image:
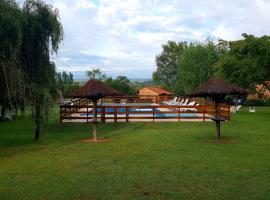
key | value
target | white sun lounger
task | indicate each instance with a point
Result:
(252, 110)
(171, 102)
(238, 108)
(185, 103)
(190, 104)
(182, 101)
(235, 109)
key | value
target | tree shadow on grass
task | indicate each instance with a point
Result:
(120, 128)
(13, 142)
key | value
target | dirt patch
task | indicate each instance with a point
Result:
(90, 140)
(221, 141)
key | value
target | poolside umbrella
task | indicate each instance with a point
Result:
(217, 89)
(95, 90)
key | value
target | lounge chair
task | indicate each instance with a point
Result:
(252, 110)
(175, 99)
(182, 101)
(190, 104)
(6, 118)
(185, 103)
(238, 108)
(171, 101)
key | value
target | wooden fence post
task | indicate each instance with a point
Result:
(103, 117)
(229, 113)
(204, 113)
(153, 109)
(115, 114)
(87, 115)
(61, 118)
(127, 114)
(179, 114)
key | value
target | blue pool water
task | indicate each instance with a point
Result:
(123, 110)
(176, 115)
(148, 111)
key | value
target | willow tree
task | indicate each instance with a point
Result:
(11, 75)
(42, 33)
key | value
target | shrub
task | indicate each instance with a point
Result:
(267, 103)
(255, 102)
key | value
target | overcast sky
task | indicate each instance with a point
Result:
(122, 37)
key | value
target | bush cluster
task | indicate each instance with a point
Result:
(257, 102)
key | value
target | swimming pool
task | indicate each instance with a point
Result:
(159, 115)
(141, 110)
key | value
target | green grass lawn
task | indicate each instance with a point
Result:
(142, 161)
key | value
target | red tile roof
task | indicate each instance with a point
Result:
(158, 90)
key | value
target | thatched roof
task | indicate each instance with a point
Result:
(216, 88)
(95, 89)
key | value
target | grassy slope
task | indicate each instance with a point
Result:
(143, 160)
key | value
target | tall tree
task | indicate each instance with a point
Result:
(11, 75)
(42, 33)
(182, 67)
(97, 74)
(167, 64)
(247, 62)
(195, 65)
(122, 84)
(65, 84)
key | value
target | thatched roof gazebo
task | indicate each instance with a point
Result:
(95, 90)
(217, 89)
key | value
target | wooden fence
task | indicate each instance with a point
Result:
(148, 99)
(127, 113)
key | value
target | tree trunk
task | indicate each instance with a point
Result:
(37, 133)
(3, 110)
(37, 121)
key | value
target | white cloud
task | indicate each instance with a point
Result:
(64, 59)
(124, 36)
(84, 4)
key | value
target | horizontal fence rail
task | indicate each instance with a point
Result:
(127, 113)
(148, 99)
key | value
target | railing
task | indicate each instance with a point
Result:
(136, 99)
(148, 99)
(127, 113)
(76, 103)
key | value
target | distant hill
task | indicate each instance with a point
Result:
(80, 76)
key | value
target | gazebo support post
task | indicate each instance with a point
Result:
(218, 130)
(95, 132)
(95, 121)
(217, 121)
